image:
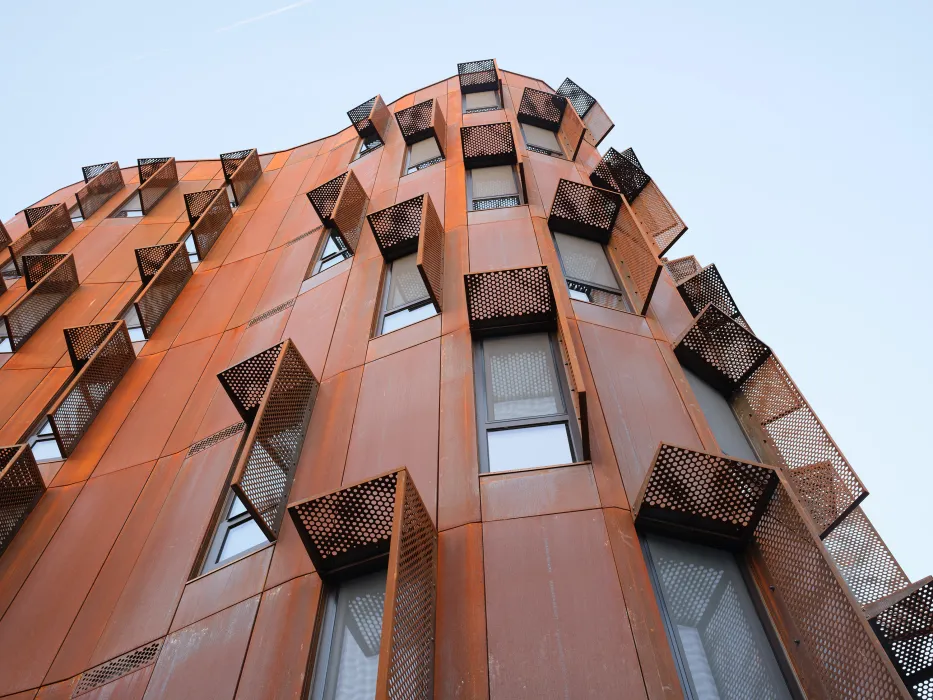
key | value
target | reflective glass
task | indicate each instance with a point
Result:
(131, 208)
(521, 380)
(75, 214)
(240, 538)
(585, 260)
(407, 317)
(236, 507)
(717, 628)
(542, 138)
(406, 285)
(230, 195)
(523, 448)
(578, 295)
(45, 450)
(722, 420)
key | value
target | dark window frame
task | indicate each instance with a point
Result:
(374, 144)
(192, 251)
(479, 110)
(484, 425)
(9, 271)
(332, 259)
(40, 435)
(410, 169)
(518, 197)
(223, 524)
(384, 301)
(754, 593)
(122, 213)
(76, 215)
(586, 287)
(539, 149)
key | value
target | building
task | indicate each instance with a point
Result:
(417, 409)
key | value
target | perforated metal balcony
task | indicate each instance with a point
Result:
(681, 268)
(705, 286)
(413, 226)
(242, 170)
(598, 123)
(156, 176)
(50, 280)
(549, 111)
(21, 487)
(488, 144)
(100, 354)
(274, 392)
(422, 121)
(382, 519)
(479, 76)
(904, 625)
(623, 173)
(752, 508)
(102, 181)
(164, 271)
(505, 299)
(209, 212)
(48, 226)
(341, 204)
(370, 118)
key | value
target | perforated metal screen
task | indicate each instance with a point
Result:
(209, 211)
(519, 297)
(370, 118)
(488, 144)
(21, 486)
(157, 176)
(905, 629)
(621, 172)
(542, 109)
(705, 287)
(629, 244)
(164, 269)
(478, 76)
(422, 121)
(242, 170)
(50, 225)
(50, 280)
(580, 210)
(577, 96)
(681, 268)
(103, 181)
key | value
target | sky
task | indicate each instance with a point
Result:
(794, 139)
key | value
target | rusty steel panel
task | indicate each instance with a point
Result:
(101, 354)
(241, 171)
(543, 109)
(164, 270)
(905, 629)
(102, 182)
(50, 280)
(422, 121)
(378, 517)
(21, 487)
(156, 177)
(341, 203)
(370, 118)
(209, 212)
(479, 76)
(507, 299)
(633, 249)
(274, 392)
(581, 210)
(430, 258)
(706, 286)
(488, 144)
(48, 226)
(709, 498)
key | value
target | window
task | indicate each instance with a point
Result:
(405, 299)
(237, 534)
(9, 271)
(722, 420)
(721, 648)
(541, 140)
(588, 272)
(131, 208)
(192, 251)
(333, 251)
(493, 187)
(5, 345)
(43, 444)
(481, 101)
(75, 213)
(522, 402)
(367, 144)
(347, 660)
(423, 154)
(231, 196)
(134, 325)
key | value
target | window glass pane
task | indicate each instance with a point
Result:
(354, 648)
(405, 283)
(578, 295)
(132, 208)
(481, 100)
(424, 151)
(236, 507)
(5, 345)
(44, 450)
(9, 271)
(407, 317)
(189, 246)
(230, 195)
(521, 381)
(325, 264)
(330, 247)
(722, 420)
(45, 428)
(725, 649)
(75, 214)
(522, 448)
(240, 538)
(542, 138)
(496, 181)
(585, 260)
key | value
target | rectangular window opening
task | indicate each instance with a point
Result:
(131, 208)
(134, 325)
(231, 196)
(493, 187)
(422, 154)
(722, 420)
(236, 534)
(75, 213)
(405, 298)
(5, 344)
(347, 660)
(10, 272)
(524, 407)
(589, 273)
(541, 140)
(333, 251)
(43, 443)
(192, 250)
(367, 144)
(486, 101)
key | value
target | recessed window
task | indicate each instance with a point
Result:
(9, 271)
(494, 187)
(75, 213)
(541, 140)
(422, 154)
(367, 144)
(192, 250)
(131, 208)
(347, 661)
(231, 196)
(134, 325)
(333, 251)
(5, 345)
(485, 101)
(719, 642)
(722, 420)
(588, 272)
(43, 444)
(237, 534)
(405, 298)
(523, 403)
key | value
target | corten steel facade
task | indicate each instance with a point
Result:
(227, 334)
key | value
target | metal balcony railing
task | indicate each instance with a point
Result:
(156, 177)
(422, 121)
(598, 123)
(478, 76)
(164, 271)
(242, 170)
(700, 286)
(341, 204)
(50, 280)
(370, 118)
(904, 625)
(101, 183)
(208, 212)
(488, 144)
(549, 111)
(48, 226)
(21, 487)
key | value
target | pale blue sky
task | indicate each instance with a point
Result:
(794, 138)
